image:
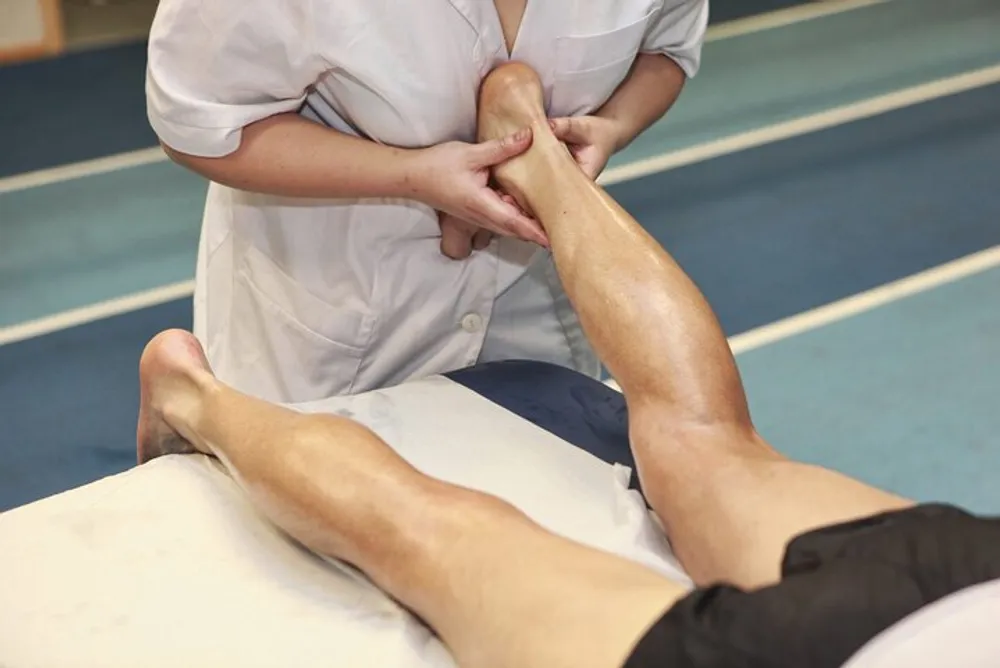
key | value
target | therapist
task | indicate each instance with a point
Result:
(350, 239)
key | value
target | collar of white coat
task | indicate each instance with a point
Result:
(483, 17)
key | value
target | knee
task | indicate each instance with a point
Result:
(670, 447)
(659, 425)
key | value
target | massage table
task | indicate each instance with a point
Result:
(169, 565)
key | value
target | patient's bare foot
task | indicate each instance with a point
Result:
(171, 367)
(511, 98)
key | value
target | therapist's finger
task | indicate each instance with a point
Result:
(508, 220)
(456, 237)
(481, 239)
(509, 199)
(495, 151)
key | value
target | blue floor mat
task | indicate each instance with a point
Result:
(69, 402)
(76, 107)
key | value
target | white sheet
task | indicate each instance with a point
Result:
(959, 631)
(168, 564)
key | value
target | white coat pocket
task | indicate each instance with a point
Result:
(590, 67)
(292, 346)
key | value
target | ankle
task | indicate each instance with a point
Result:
(546, 145)
(539, 170)
(182, 404)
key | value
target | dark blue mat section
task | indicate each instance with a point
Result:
(73, 108)
(577, 409)
(786, 227)
(66, 425)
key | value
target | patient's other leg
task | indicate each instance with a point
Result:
(497, 588)
(729, 501)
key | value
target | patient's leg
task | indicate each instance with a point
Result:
(497, 588)
(729, 501)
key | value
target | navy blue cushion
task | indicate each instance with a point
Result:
(574, 407)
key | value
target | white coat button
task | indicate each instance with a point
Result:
(472, 323)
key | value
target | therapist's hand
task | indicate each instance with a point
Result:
(591, 139)
(454, 179)
(459, 238)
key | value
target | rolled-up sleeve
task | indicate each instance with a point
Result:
(679, 32)
(217, 66)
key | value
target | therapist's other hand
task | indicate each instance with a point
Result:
(454, 178)
(591, 139)
(459, 238)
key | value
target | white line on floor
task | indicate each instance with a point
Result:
(804, 125)
(866, 301)
(785, 17)
(741, 343)
(112, 163)
(146, 156)
(94, 312)
(863, 301)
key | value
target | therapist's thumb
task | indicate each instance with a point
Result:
(570, 130)
(496, 151)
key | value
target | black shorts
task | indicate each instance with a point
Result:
(841, 586)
